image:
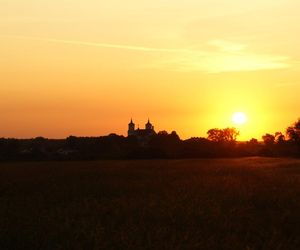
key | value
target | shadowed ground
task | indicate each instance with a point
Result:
(249, 203)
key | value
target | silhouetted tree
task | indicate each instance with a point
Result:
(222, 135)
(250, 148)
(164, 145)
(279, 137)
(230, 134)
(268, 139)
(253, 141)
(163, 132)
(215, 134)
(293, 132)
(269, 145)
(175, 135)
(72, 142)
(293, 135)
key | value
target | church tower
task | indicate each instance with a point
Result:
(149, 126)
(131, 128)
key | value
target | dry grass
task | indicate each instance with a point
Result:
(250, 203)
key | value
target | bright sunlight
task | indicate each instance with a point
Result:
(239, 118)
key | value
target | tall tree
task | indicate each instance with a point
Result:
(268, 139)
(293, 132)
(279, 137)
(222, 135)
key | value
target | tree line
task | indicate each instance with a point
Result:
(218, 143)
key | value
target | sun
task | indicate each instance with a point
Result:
(239, 118)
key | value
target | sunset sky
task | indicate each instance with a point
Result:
(74, 67)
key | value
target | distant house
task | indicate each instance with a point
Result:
(143, 135)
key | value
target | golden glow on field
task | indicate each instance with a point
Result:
(239, 118)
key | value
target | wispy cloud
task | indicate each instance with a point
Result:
(227, 46)
(226, 56)
(102, 45)
(219, 63)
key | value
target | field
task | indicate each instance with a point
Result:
(250, 203)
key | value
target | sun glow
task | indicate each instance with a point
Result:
(239, 118)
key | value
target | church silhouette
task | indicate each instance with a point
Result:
(141, 133)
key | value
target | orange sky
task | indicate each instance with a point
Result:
(86, 67)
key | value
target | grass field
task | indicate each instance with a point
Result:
(250, 203)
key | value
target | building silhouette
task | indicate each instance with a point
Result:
(141, 133)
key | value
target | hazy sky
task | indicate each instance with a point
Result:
(86, 67)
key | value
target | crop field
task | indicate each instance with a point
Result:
(247, 203)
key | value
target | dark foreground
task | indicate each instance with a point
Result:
(251, 203)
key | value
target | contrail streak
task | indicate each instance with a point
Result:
(102, 45)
